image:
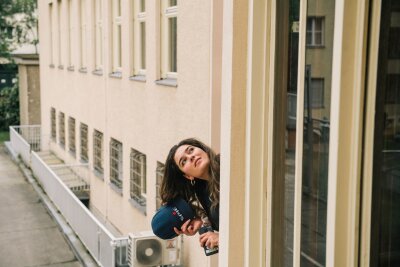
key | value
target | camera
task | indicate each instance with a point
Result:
(208, 251)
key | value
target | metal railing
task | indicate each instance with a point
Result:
(98, 240)
(20, 145)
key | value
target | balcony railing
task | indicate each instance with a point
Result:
(104, 247)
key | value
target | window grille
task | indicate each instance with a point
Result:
(98, 151)
(53, 123)
(84, 142)
(71, 135)
(138, 177)
(116, 163)
(159, 176)
(61, 119)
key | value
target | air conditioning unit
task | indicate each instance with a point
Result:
(146, 249)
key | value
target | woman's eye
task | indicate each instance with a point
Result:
(191, 149)
(183, 162)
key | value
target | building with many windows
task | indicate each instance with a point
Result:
(301, 98)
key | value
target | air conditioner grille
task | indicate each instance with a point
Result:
(148, 252)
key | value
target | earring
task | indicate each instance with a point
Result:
(192, 182)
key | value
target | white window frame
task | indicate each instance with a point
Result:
(98, 148)
(116, 166)
(159, 176)
(167, 12)
(82, 36)
(69, 33)
(138, 49)
(53, 123)
(84, 144)
(138, 176)
(61, 123)
(98, 34)
(313, 31)
(51, 35)
(71, 135)
(59, 46)
(116, 40)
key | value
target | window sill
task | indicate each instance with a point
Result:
(98, 174)
(52, 66)
(167, 82)
(60, 67)
(98, 72)
(116, 74)
(71, 68)
(84, 161)
(139, 78)
(115, 188)
(83, 70)
(138, 206)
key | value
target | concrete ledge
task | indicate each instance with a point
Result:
(73, 240)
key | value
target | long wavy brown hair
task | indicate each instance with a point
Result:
(175, 184)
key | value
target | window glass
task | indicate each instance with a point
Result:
(172, 44)
(317, 91)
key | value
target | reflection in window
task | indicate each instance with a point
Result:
(316, 131)
(290, 136)
(315, 31)
(385, 224)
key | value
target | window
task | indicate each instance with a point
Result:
(84, 142)
(138, 177)
(159, 176)
(116, 163)
(59, 32)
(315, 31)
(53, 123)
(82, 36)
(61, 123)
(98, 152)
(71, 135)
(98, 35)
(69, 32)
(116, 37)
(317, 92)
(139, 38)
(169, 64)
(51, 49)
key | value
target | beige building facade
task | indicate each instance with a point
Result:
(301, 98)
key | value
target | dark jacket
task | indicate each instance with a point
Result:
(203, 195)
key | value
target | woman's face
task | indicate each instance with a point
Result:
(192, 161)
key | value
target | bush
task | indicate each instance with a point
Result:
(9, 107)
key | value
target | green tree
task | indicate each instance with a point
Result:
(9, 107)
(17, 31)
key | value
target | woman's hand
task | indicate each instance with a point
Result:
(209, 239)
(190, 227)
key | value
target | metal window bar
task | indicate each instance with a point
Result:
(53, 123)
(61, 119)
(98, 151)
(71, 135)
(138, 176)
(116, 163)
(159, 176)
(84, 142)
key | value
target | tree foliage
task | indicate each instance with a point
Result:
(9, 107)
(18, 24)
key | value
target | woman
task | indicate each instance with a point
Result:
(192, 172)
